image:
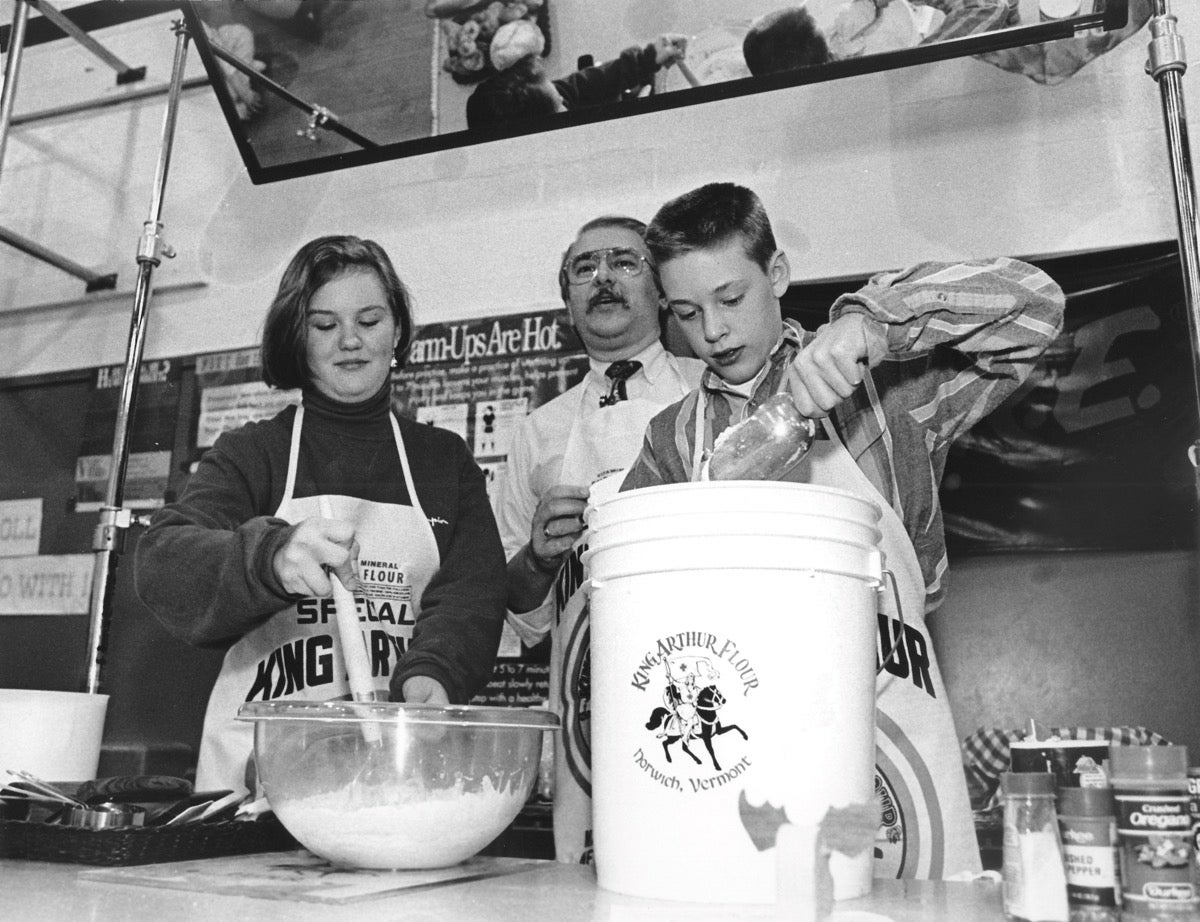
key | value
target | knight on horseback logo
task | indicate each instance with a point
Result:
(691, 705)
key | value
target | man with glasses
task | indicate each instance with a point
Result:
(592, 432)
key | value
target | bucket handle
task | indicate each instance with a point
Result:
(889, 576)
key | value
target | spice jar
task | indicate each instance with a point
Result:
(1089, 837)
(1154, 832)
(1194, 810)
(1034, 882)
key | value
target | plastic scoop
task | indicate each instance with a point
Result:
(765, 446)
(354, 648)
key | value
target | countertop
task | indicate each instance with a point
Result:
(33, 891)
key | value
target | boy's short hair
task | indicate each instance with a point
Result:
(711, 216)
(513, 93)
(784, 40)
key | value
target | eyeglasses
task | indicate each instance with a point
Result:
(621, 261)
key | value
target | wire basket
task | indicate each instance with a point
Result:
(131, 845)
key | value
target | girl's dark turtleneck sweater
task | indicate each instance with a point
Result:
(348, 448)
(373, 409)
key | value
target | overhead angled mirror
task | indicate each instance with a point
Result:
(315, 85)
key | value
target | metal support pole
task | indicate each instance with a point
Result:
(435, 73)
(104, 102)
(95, 281)
(12, 67)
(109, 538)
(318, 115)
(125, 73)
(1166, 63)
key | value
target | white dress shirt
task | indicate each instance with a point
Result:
(535, 453)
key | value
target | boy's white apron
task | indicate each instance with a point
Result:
(296, 654)
(927, 830)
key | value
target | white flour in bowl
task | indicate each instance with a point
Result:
(417, 829)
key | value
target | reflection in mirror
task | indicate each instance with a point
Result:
(312, 85)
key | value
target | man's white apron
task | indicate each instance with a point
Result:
(600, 445)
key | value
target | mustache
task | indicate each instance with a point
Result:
(607, 293)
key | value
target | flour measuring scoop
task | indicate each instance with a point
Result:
(765, 446)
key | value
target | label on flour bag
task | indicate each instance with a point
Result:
(926, 828)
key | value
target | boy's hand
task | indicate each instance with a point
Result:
(830, 368)
(669, 48)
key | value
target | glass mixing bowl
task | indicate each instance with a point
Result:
(399, 786)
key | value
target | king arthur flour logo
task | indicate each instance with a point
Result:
(700, 679)
(697, 643)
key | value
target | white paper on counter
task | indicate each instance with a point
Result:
(299, 876)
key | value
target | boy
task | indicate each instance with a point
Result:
(904, 365)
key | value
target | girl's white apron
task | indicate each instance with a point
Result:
(296, 654)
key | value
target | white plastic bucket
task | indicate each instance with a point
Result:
(54, 735)
(758, 597)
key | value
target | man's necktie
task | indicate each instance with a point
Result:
(619, 373)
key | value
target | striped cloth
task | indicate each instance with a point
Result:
(987, 753)
(970, 17)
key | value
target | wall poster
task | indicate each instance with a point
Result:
(232, 393)
(478, 378)
(151, 441)
(46, 584)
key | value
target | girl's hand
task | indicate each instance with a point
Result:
(421, 689)
(317, 547)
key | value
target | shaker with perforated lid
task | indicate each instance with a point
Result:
(1034, 882)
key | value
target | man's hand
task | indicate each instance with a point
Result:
(830, 368)
(315, 545)
(557, 523)
(669, 48)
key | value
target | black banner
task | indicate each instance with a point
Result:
(1092, 452)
